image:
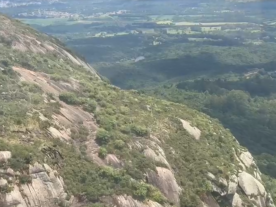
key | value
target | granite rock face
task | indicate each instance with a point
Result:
(46, 189)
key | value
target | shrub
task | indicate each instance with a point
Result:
(56, 77)
(106, 122)
(25, 179)
(5, 189)
(5, 63)
(140, 190)
(102, 152)
(139, 130)
(124, 110)
(90, 106)
(103, 137)
(80, 134)
(69, 98)
(119, 144)
(44, 124)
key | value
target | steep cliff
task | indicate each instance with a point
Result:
(69, 139)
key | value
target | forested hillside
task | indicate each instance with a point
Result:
(70, 139)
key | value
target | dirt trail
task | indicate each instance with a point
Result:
(70, 116)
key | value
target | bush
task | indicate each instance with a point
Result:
(80, 134)
(119, 144)
(103, 137)
(25, 179)
(102, 152)
(139, 130)
(5, 189)
(56, 77)
(90, 106)
(140, 191)
(5, 63)
(69, 98)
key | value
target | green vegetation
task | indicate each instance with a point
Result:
(209, 70)
(245, 106)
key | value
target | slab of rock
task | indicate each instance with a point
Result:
(44, 190)
(247, 159)
(250, 185)
(157, 158)
(232, 184)
(15, 198)
(237, 201)
(165, 181)
(195, 132)
(128, 201)
(113, 161)
(5, 156)
(37, 168)
(209, 201)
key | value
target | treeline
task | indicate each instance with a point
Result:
(256, 86)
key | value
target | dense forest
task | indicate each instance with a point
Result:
(246, 106)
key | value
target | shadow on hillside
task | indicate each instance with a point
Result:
(153, 72)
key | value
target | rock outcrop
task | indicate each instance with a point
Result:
(247, 159)
(113, 161)
(128, 201)
(45, 189)
(164, 180)
(250, 185)
(5, 156)
(242, 185)
(194, 131)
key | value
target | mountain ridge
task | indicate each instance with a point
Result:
(70, 139)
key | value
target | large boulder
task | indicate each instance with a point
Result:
(194, 131)
(250, 185)
(15, 198)
(113, 161)
(150, 153)
(247, 159)
(46, 189)
(164, 179)
(237, 201)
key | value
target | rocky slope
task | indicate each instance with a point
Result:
(69, 139)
